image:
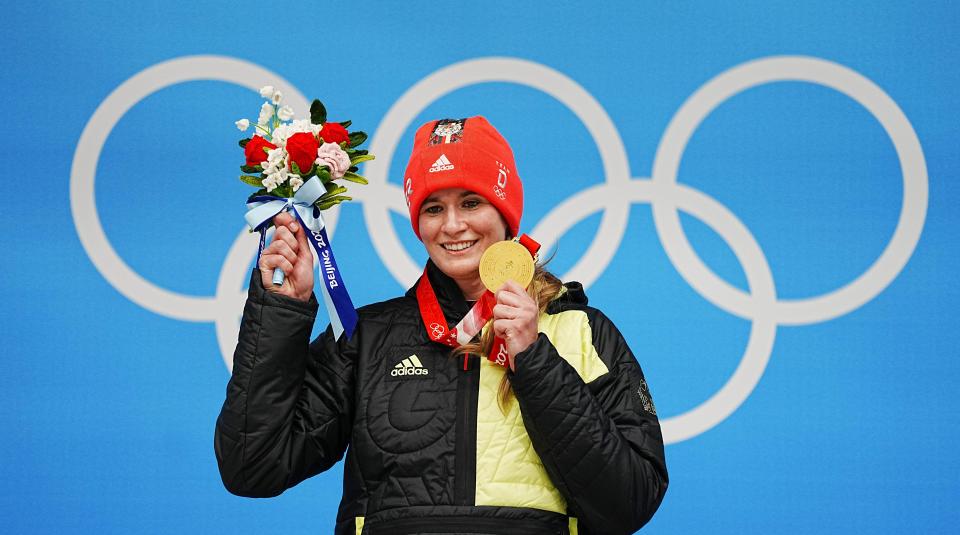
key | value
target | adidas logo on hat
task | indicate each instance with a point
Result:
(409, 366)
(442, 164)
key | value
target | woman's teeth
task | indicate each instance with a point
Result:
(459, 246)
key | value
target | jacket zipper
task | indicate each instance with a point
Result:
(465, 468)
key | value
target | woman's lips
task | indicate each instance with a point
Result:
(458, 247)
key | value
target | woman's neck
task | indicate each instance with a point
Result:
(472, 288)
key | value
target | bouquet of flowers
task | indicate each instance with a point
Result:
(296, 166)
(284, 153)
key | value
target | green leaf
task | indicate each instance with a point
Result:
(318, 114)
(332, 202)
(252, 180)
(251, 168)
(294, 168)
(311, 173)
(353, 177)
(353, 169)
(357, 138)
(243, 142)
(323, 174)
(346, 124)
(332, 193)
(360, 158)
(283, 191)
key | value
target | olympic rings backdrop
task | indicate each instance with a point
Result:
(762, 197)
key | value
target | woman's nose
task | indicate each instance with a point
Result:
(453, 222)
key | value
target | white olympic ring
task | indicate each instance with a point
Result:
(223, 308)
(437, 330)
(614, 197)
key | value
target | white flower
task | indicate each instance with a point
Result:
(266, 113)
(277, 97)
(280, 135)
(275, 155)
(275, 159)
(279, 175)
(266, 91)
(295, 182)
(243, 124)
(335, 158)
(300, 125)
(269, 183)
(285, 113)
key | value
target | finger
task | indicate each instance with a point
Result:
(500, 328)
(282, 219)
(285, 234)
(270, 262)
(508, 296)
(514, 286)
(282, 248)
(503, 311)
(304, 246)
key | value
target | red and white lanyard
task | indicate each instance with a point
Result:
(471, 324)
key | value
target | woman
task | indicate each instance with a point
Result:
(564, 440)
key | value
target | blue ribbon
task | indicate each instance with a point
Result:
(262, 209)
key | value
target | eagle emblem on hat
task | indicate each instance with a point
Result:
(447, 131)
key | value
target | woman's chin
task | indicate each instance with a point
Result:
(459, 266)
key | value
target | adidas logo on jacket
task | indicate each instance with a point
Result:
(410, 366)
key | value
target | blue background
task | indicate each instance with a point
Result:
(108, 409)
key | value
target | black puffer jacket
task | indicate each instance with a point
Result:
(578, 449)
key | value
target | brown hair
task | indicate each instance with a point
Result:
(544, 287)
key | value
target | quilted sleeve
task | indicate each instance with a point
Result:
(288, 411)
(600, 442)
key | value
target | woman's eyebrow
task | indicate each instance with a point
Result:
(462, 195)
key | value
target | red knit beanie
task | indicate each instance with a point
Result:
(463, 153)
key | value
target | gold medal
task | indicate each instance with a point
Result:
(503, 261)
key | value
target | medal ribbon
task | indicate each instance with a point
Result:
(472, 323)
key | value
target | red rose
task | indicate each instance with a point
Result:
(254, 150)
(334, 133)
(302, 148)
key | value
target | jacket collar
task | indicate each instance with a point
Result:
(572, 297)
(451, 299)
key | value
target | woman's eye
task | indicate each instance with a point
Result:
(432, 209)
(471, 203)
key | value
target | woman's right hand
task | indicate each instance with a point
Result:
(290, 252)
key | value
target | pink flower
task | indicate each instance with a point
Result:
(334, 158)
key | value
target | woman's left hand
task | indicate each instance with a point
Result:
(515, 318)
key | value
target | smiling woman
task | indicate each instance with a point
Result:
(563, 438)
(456, 227)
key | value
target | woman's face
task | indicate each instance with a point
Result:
(457, 226)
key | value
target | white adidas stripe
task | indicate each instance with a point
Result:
(409, 366)
(442, 164)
